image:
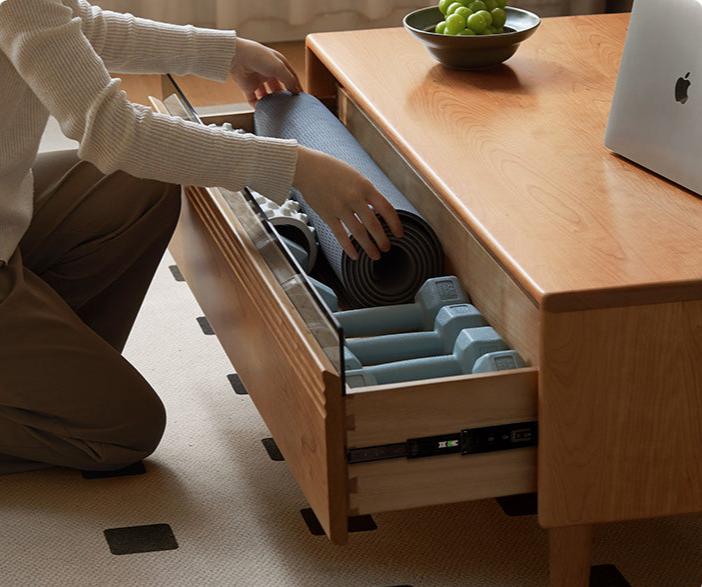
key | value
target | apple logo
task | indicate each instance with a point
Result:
(681, 89)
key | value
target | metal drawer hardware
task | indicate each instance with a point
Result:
(467, 442)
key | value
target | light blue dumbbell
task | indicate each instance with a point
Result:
(298, 252)
(326, 293)
(499, 361)
(471, 344)
(412, 345)
(431, 297)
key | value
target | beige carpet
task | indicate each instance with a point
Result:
(235, 512)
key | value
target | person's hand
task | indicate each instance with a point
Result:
(347, 202)
(259, 70)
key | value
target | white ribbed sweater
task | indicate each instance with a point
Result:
(54, 59)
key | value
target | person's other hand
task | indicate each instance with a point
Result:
(259, 70)
(347, 202)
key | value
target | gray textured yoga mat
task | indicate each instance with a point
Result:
(412, 260)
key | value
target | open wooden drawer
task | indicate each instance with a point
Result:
(348, 449)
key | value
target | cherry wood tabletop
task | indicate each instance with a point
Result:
(518, 153)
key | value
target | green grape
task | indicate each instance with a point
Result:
(452, 9)
(444, 4)
(464, 11)
(490, 5)
(455, 24)
(477, 5)
(477, 23)
(486, 15)
(502, 4)
(499, 18)
(440, 27)
(467, 32)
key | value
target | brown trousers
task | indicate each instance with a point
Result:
(68, 300)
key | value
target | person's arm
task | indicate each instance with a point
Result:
(137, 45)
(44, 41)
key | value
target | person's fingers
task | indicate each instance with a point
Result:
(387, 212)
(274, 86)
(373, 226)
(285, 76)
(342, 236)
(261, 92)
(361, 235)
(251, 98)
(297, 85)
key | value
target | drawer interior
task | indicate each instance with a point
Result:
(346, 422)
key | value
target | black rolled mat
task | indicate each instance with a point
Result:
(397, 276)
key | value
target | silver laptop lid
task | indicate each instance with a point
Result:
(656, 117)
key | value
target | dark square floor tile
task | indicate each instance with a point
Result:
(237, 384)
(525, 504)
(272, 449)
(205, 325)
(177, 275)
(356, 523)
(607, 576)
(362, 524)
(135, 469)
(137, 539)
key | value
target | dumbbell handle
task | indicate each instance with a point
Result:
(381, 320)
(425, 368)
(434, 367)
(398, 347)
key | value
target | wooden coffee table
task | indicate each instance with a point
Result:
(590, 266)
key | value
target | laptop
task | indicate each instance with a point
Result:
(656, 117)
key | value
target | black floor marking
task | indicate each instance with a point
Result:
(237, 384)
(607, 576)
(177, 275)
(138, 539)
(205, 325)
(362, 524)
(272, 449)
(135, 469)
(356, 523)
(525, 504)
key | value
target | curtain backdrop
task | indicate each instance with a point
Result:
(280, 20)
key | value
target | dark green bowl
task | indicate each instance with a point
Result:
(472, 52)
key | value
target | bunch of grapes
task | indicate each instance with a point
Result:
(472, 17)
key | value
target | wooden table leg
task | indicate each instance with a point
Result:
(570, 553)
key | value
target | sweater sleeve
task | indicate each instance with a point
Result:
(44, 41)
(136, 45)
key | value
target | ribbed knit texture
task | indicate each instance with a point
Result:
(54, 61)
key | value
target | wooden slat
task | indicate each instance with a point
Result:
(403, 484)
(620, 414)
(394, 413)
(503, 303)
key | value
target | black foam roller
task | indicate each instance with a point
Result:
(398, 275)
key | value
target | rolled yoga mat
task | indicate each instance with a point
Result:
(397, 276)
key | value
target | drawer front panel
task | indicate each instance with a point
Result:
(291, 381)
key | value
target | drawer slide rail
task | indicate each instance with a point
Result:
(466, 442)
